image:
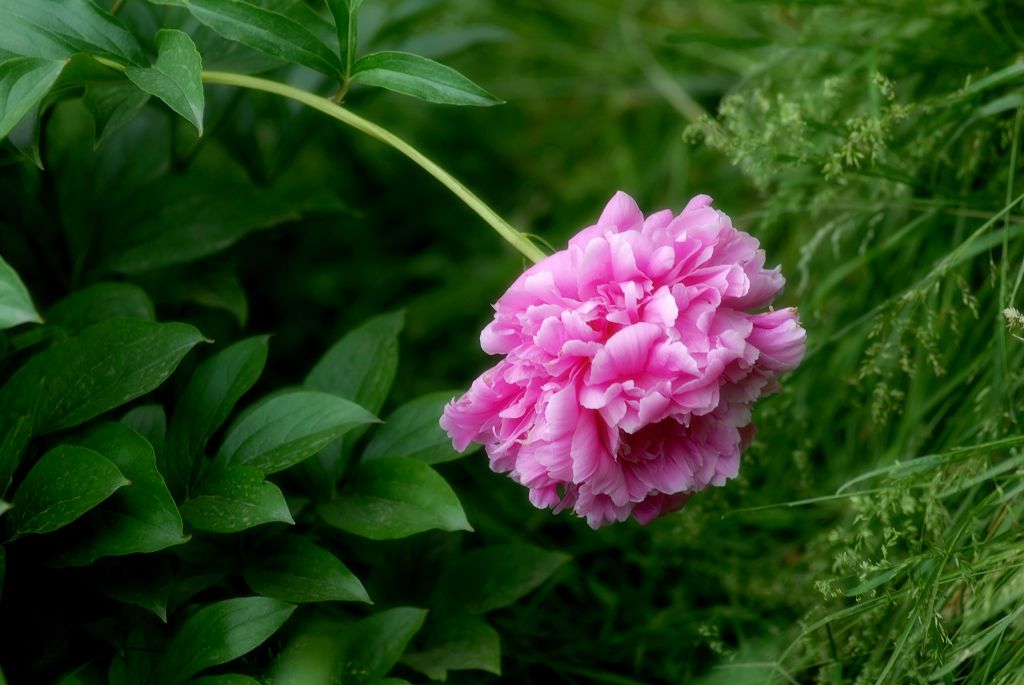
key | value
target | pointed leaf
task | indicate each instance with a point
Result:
(293, 569)
(235, 499)
(360, 367)
(374, 645)
(456, 644)
(413, 431)
(139, 518)
(344, 12)
(420, 77)
(143, 581)
(109, 364)
(289, 428)
(181, 219)
(99, 302)
(207, 401)
(105, 366)
(23, 82)
(57, 29)
(15, 303)
(219, 633)
(394, 497)
(23, 139)
(64, 484)
(112, 105)
(175, 77)
(150, 421)
(214, 288)
(494, 577)
(264, 30)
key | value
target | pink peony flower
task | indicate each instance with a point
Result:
(631, 363)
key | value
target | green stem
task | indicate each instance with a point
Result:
(116, 7)
(331, 109)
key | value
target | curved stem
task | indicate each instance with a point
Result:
(331, 109)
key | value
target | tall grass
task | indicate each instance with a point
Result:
(873, 535)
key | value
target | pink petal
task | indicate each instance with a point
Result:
(625, 353)
(622, 212)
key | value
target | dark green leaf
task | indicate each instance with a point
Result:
(110, 98)
(67, 482)
(175, 77)
(235, 499)
(225, 679)
(83, 70)
(112, 105)
(15, 303)
(457, 644)
(312, 657)
(219, 633)
(344, 12)
(263, 30)
(188, 584)
(96, 303)
(139, 518)
(413, 431)
(57, 29)
(293, 569)
(142, 643)
(143, 581)
(86, 674)
(394, 497)
(181, 219)
(208, 286)
(16, 432)
(25, 136)
(420, 77)
(150, 421)
(207, 402)
(109, 364)
(105, 366)
(289, 428)
(375, 644)
(310, 18)
(360, 367)
(23, 83)
(226, 55)
(494, 577)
